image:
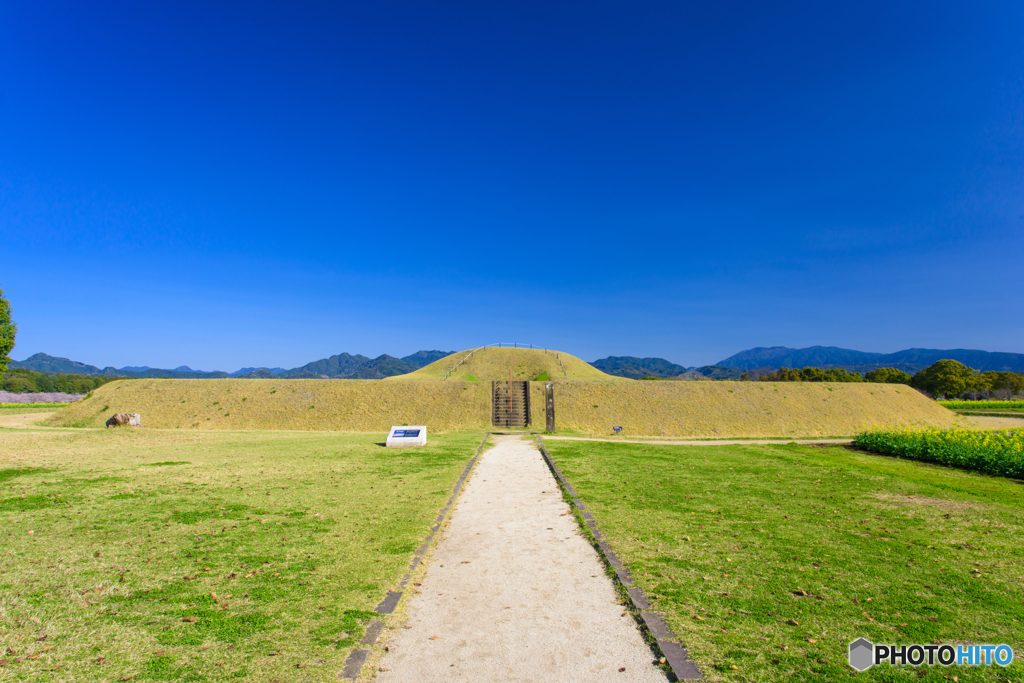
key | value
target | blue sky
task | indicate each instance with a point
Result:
(243, 184)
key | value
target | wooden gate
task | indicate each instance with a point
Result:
(510, 404)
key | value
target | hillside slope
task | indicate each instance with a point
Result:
(740, 409)
(493, 363)
(671, 409)
(299, 404)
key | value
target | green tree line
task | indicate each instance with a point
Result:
(948, 378)
(953, 379)
(20, 381)
(808, 374)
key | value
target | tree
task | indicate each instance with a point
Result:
(843, 375)
(1014, 381)
(18, 385)
(811, 374)
(948, 378)
(783, 374)
(7, 331)
(888, 376)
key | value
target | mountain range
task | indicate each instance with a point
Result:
(635, 368)
(341, 366)
(765, 359)
(760, 359)
(347, 366)
(909, 360)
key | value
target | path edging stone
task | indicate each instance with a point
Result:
(357, 658)
(651, 622)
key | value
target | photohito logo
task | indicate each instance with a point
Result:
(864, 654)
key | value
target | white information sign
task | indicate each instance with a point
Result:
(407, 436)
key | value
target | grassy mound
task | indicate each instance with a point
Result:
(300, 404)
(674, 409)
(492, 363)
(743, 409)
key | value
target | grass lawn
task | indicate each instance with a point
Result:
(204, 556)
(18, 409)
(731, 542)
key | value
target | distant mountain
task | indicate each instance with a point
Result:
(910, 360)
(347, 366)
(173, 374)
(257, 373)
(243, 372)
(381, 367)
(815, 356)
(52, 365)
(862, 368)
(635, 368)
(719, 372)
(979, 360)
(341, 365)
(757, 360)
(423, 358)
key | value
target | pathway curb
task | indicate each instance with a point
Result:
(357, 658)
(650, 622)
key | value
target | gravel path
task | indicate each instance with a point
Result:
(514, 592)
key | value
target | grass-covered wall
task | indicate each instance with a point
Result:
(671, 409)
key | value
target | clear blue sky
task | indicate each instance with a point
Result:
(243, 184)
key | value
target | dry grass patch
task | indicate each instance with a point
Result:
(736, 409)
(297, 404)
(645, 409)
(990, 422)
(15, 409)
(493, 363)
(25, 418)
(946, 504)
